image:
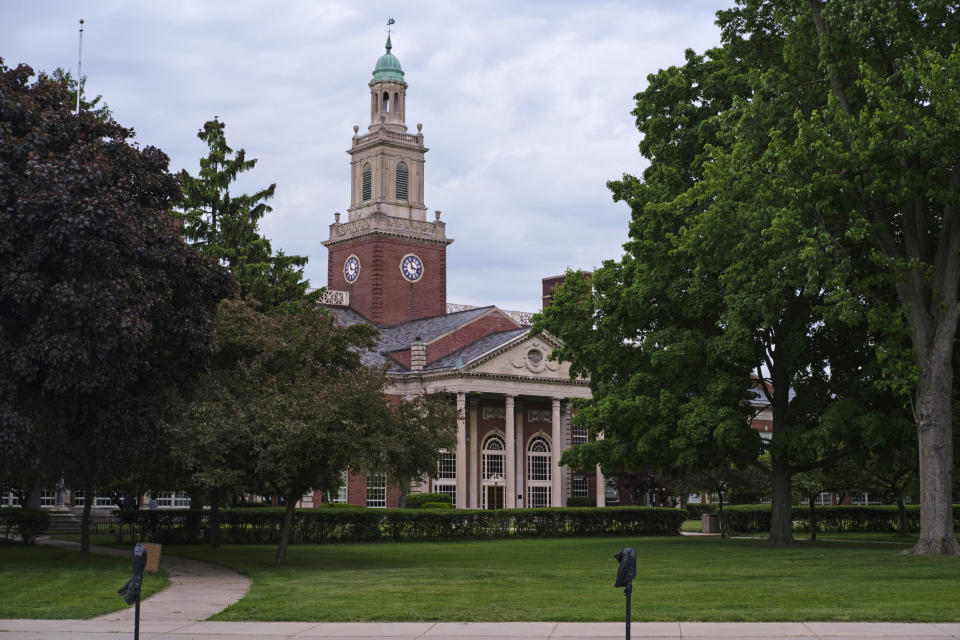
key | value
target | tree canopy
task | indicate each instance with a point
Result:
(227, 226)
(103, 307)
(795, 226)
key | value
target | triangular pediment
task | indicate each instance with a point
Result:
(527, 356)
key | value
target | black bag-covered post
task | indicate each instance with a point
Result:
(625, 575)
(131, 591)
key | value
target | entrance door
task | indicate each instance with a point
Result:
(494, 496)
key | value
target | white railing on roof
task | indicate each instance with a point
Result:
(521, 317)
(335, 298)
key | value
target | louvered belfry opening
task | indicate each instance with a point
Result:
(402, 181)
(367, 183)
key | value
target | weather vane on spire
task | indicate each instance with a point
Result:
(390, 21)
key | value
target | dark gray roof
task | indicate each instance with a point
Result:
(427, 329)
(400, 336)
(476, 349)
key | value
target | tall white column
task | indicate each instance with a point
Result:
(556, 497)
(473, 463)
(510, 456)
(520, 483)
(461, 451)
(601, 483)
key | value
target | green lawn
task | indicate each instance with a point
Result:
(679, 578)
(45, 582)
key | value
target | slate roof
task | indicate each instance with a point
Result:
(476, 349)
(399, 337)
(402, 335)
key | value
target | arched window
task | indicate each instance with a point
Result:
(367, 186)
(396, 103)
(402, 181)
(539, 472)
(493, 457)
(386, 102)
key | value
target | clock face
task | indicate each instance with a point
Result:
(351, 269)
(411, 268)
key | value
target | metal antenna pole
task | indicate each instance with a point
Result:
(627, 592)
(79, 58)
(136, 620)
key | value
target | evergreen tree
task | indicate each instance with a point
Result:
(227, 226)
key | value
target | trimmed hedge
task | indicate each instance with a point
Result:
(581, 501)
(696, 510)
(314, 526)
(436, 505)
(417, 500)
(27, 523)
(833, 519)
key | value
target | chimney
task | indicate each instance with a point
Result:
(552, 282)
(418, 355)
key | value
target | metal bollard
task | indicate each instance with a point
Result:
(131, 590)
(625, 575)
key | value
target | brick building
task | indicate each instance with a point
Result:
(387, 266)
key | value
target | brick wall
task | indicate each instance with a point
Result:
(380, 292)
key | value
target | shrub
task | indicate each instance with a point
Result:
(696, 510)
(436, 505)
(581, 501)
(416, 500)
(836, 519)
(341, 505)
(26, 523)
(313, 526)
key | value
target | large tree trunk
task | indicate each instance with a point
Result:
(933, 418)
(285, 530)
(85, 519)
(781, 503)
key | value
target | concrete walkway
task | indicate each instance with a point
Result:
(104, 630)
(197, 589)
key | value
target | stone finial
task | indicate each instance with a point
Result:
(356, 129)
(437, 214)
(419, 127)
(336, 217)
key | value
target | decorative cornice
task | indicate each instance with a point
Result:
(381, 224)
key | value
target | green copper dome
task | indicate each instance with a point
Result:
(388, 67)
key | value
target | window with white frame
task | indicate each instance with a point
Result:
(579, 435)
(492, 458)
(48, 498)
(539, 472)
(164, 499)
(181, 499)
(377, 490)
(340, 497)
(578, 486)
(824, 498)
(9, 499)
(103, 501)
(538, 497)
(78, 498)
(863, 498)
(446, 481)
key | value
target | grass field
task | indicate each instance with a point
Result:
(45, 582)
(679, 578)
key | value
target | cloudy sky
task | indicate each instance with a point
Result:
(525, 107)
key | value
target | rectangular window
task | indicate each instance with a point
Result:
(447, 466)
(341, 496)
(78, 498)
(377, 491)
(9, 499)
(48, 498)
(538, 497)
(449, 489)
(538, 467)
(181, 499)
(492, 465)
(579, 435)
(579, 487)
(103, 501)
(825, 498)
(164, 499)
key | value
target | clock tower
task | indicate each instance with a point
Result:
(389, 258)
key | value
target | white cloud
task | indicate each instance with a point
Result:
(525, 106)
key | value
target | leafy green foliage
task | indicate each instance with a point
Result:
(227, 226)
(416, 500)
(104, 310)
(27, 523)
